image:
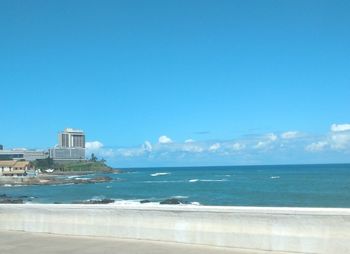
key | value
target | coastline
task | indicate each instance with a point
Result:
(301, 230)
(50, 180)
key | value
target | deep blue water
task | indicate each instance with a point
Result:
(293, 186)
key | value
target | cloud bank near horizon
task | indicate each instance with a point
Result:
(287, 147)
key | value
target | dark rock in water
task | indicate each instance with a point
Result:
(145, 201)
(171, 201)
(56, 203)
(95, 201)
(4, 199)
(99, 179)
(104, 201)
(11, 201)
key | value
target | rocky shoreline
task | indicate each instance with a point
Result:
(51, 180)
(6, 199)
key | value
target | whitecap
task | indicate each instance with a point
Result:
(275, 177)
(70, 177)
(100, 197)
(133, 202)
(179, 197)
(160, 174)
(207, 180)
(213, 180)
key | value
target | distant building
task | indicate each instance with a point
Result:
(22, 154)
(14, 168)
(71, 146)
(71, 138)
(1, 147)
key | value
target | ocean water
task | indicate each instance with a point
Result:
(286, 186)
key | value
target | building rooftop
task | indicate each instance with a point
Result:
(72, 130)
(14, 164)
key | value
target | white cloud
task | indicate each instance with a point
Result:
(266, 141)
(130, 152)
(147, 146)
(237, 146)
(271, 137)
(340, 140)
(284, 145)
(290, 135)
(164, 140)
(93, 145)
(340, 127)
(337, 140)
(192, 148)
(260, 144)
(317, 146)
(214, 147)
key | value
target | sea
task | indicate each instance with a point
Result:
(268, 186)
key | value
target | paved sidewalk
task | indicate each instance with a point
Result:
(14, 242)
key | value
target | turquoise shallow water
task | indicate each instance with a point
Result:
(293, 186)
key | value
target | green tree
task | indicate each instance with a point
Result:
(44, 163)
(93, 157)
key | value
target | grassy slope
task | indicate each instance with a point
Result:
(86, 166)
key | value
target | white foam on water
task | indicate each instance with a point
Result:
(213, 180)
(160, 174)
(119, 202)
(70, 177)
(136, 202)
(207, 180)
(100, 197)
(183, 197)
(275, 177)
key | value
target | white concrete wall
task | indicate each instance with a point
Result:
(301, 230)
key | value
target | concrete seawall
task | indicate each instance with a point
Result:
(297, 230)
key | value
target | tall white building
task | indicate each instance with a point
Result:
(71, 138)
(71, 146)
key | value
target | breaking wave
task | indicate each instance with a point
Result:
(160, 174)
(207, 180)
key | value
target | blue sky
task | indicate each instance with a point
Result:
(225, 76)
